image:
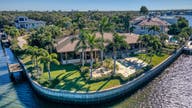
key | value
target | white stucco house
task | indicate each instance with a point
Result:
(142, 25)
(25, 22)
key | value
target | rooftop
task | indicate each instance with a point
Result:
(152, 22)
(65, 44)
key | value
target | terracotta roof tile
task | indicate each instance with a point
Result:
(70, 47)
(153, 21)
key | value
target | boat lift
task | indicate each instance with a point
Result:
(15, 72)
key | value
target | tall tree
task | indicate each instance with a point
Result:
(104, 26)
(151, 43)
(81, 44)
(117, 43)
(92, 42)
(154, 29)
(35, 54)
(48, 59)
(144, 10)
(126, 23)
(12, 31)
(163, 38)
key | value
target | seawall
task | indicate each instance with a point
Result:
(65, 96)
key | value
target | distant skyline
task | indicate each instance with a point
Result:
(84, 5)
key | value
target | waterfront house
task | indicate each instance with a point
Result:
(67, 52)
(26, 23)
(142, 25)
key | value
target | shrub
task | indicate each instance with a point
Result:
(97, 65)
(84, 69)
(103, 78)
(108, 63)
(148, 67)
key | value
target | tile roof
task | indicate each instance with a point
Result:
(153, 21)
(65, 44)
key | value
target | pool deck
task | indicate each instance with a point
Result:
(127, 66)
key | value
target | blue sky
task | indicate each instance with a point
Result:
(83, 5)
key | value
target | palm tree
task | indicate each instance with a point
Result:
(48, 59)
(154, 29)
(92, 42)
(150, 54)
(35, 53)
(49, 42)
(152, 43)
(117, 42)
(132, 29)
(126, 23)
(81, 44)
(104, 26)
(55, 31)
(163, 38)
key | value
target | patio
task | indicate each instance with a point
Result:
(130, 65)
(127, 66)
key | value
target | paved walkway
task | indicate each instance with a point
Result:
(21, 41)
(127, 66)
(130, 65)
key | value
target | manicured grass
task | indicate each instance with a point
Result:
(156, 59)
(68, 77)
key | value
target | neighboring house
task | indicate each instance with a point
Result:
(142, 25)
(66, 48)
(25, 22)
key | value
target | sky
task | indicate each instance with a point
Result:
(84, 5)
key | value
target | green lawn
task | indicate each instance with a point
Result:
(156, 59)
(68, 77)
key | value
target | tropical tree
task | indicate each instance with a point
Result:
(126, 23)
(150, 53)
(144, 10)
(188, 30)
(182, 23)
(154, 29)
(177, 28)
(48, 42)
(117, 42)
(35, 54)
(11, 31)
(163, 38)
(55, 31)
(182, 37)
(104, 25)
(132, 29)
(78, 22)
(22, 31)
(174, 29)
(92, 43)
(151, 43)
(65, 22)
(48, 59)
(44, 37)
(81, 44)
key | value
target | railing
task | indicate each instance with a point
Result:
(99, 96)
